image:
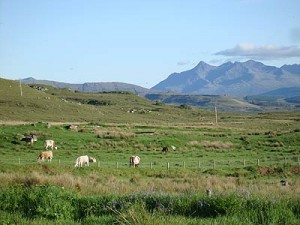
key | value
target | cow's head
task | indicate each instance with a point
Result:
(92, 159)
(40, 158)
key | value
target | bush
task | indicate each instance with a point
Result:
(38, 201)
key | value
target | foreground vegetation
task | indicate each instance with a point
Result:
(242, 159)
(46, 203)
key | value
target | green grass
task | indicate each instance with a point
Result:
(221, 157)
(50, 203)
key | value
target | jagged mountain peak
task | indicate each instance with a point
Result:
(253, 63)
(203, 67)
(235, 79)
(295, 68)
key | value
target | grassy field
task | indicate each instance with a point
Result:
(242, 160)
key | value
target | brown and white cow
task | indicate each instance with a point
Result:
(84, 160)
(134, 161)
(45, 155)
(50, 143)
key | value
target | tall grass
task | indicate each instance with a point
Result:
(55, 203)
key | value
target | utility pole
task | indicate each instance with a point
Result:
(21, 88)
(216, 113)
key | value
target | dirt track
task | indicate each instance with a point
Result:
(26, 122)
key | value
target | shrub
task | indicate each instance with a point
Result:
(212, 144)
(114, 134)
(38, 201)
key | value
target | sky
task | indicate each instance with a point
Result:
(141, 42)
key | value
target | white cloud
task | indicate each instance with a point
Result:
(261, 52)
(183, 62)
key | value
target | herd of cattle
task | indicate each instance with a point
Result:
(134, 160)
(80, 161)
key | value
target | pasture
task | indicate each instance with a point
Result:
(242, 159)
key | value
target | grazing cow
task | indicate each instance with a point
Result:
(165, 149)
(29, 138)
(84, 160)
(284, 182)
(45, 155)
(134, 161)
(50, 143)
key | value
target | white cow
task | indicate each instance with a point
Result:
(84, 160)
(50, 143)
(45, 155)
(134, 160)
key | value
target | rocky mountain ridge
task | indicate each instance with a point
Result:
(233, 79)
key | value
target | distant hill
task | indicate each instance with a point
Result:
(233, 79)
(223, 103)
(282, 97)
(284, 92)
(39, 102)
(92, 87)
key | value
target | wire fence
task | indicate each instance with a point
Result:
(195, 164)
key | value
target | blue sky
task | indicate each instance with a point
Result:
(141, 42)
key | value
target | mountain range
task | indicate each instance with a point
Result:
(238, 86)
(237, 79)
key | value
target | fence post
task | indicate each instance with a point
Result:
(199, 164)
(244, 163)
(117, 165)
(168, 165)
(257, 162)
(285, 161)
(151, 165)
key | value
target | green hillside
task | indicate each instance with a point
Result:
(45, 103)
(223, 103)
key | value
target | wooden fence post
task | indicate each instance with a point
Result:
(117, 165)
(151, 165)
(199, 164)
(168, 165)
(285, 161)
(244, 163)
(257, 162)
